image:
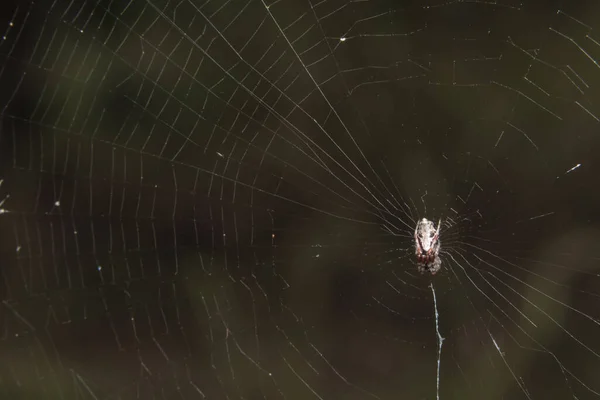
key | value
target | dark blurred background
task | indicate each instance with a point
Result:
(217, 199)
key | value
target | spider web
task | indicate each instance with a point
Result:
(217, 199)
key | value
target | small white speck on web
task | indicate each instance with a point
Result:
(573, 169)
(342, 39)
(497, 347)
(4, 199)
(18, 249)
(57, 203)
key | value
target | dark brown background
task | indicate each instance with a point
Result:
(186, 216)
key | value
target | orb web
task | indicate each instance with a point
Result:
(218, 199)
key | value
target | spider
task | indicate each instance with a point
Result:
(427, 246)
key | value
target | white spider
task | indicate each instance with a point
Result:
(427, 246)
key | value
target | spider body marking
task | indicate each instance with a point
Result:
(427, 246)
